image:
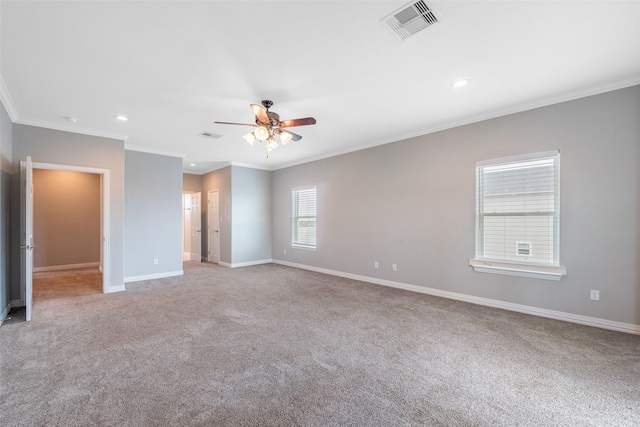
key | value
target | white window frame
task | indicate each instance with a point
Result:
(550, 270)
(295, 207)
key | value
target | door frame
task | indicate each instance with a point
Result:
(186, 231)
(105, 224)
(209, 214)
(196, 217)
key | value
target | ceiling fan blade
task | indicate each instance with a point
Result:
(297, 122)
(260, 112)
(238, 124)
(294, 136)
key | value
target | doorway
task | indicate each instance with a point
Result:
(191, 227)
(186, 226)
(213, 225)
(28, 244)
(66, 227)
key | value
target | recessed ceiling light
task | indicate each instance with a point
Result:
(122, 118)
(72, 119)
(460, 83)
(192, 164)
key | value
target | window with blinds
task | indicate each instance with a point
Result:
(518, 209)
(303, 221)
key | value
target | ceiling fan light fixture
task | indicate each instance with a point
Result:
(285, 137)
(268, 125)
(250, 138)
(261, 133)
(271, 143)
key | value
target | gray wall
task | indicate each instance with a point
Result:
(251, 215)
(66, 148)
(6, 170)
(219, 179)
(245, 213)
(153, 214)
(66, 218)
(413, 203)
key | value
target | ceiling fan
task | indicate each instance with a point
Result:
(268, 125)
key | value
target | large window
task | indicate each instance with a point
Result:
(518, 211)
(303, 221)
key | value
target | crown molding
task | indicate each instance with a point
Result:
(246, 165)
(6, 100)
(150, 150)
(571, 96)
(71, 129)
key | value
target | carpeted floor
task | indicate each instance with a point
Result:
(276, 346)
(66, 283)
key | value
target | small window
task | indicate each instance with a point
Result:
(303, 221)
(518, 211)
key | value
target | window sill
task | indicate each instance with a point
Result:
(522, 270)
(306, 248)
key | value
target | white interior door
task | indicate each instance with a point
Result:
(186, 226)
(26, 235)
(196, 220)
(213, 221)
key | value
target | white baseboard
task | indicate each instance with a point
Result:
(541, 312)
(5, 313)
(245, 264)
(152, 276)
(66, 267)
(113, 289)
(12, 304)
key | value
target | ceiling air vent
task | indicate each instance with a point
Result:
(212, 135)
(410, 19)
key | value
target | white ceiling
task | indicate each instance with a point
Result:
(173, 68)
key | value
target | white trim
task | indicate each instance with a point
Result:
(71, 129)
(113, 289)
(245, 264)
(105, 215)
(248, 166)
(153, 276)
(543, 155)
(303, 247)
(12, 304)
(152, 150)
(467, 121)
(522, 270)
(519, 308)
(66, 267)
(5, 98)
(5, 313)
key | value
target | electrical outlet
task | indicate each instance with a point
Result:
(375, 264)
(394, 267)
(155, 260)
(595, 295)
(284, 251)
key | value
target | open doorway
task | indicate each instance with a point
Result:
(66, 225)
(26, 225)
(186, 226)
(191, 227)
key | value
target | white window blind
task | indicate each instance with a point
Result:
(518, 209)
(303, 223)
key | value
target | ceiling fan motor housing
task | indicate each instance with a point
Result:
(274, 120)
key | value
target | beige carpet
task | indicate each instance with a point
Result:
(66, 283)
(276, 346)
